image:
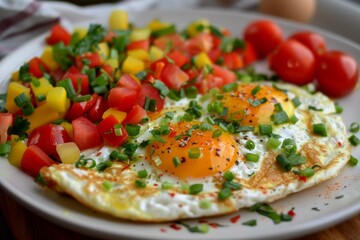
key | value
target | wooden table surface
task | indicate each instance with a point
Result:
(22, 224)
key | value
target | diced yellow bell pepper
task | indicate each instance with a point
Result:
(155, 53)
(42, 89)
(43, 114)
(56, 99)
(15, 76)
(68, 152)
(139, 34)
(113, 62)
(48, 58)
(81, 32)
(156, 24)
(17, 151)
(132, 65)
(140, 54)
(14, 90)
(103, 50)
(202, 59)
(68, 128)
(119, 115)
(118, 20)
(192, 29)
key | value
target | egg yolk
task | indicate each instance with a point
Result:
(193, 155)
(253, 104)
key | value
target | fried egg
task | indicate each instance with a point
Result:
(217, 162)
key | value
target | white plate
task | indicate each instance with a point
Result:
(69, 213)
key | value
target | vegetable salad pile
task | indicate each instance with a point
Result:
(96, 86)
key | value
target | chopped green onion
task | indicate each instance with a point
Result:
(216, 32)
(191, 92)
(285, 217)
(166, 185)
(320, 129)
(250, 144)
(141, 75)
(21, 100)
(273, 143)
(132, 129)
(194, 153)
(353, 161)
(354, 140)
(250, 223)
(354, 127)
(140, 184)
(117, 129)
(245, 129)
(265, 129)
(164, 90)
(278, 107)
(24, 74)
(28, 109)
(69, 88)
(293, 119)
(224, 193)
(232, 185)
(116, 155)
(103, 165)
(163, 31)
(296, 102)
(339, 109)
(195, 188)
(108, 185)
(307, 172)
(204, 126)
(5, 148)
(229, 87)
(257, 102)
(40, 180)
(280, 117)
(229, 176)
(296, 159)
(255, 90)
(216, 133)
(84, 98)
(210, 120)
(267, 211)
(205, 204)
(173, 95)
(208, 69)
(40, 97)
(315, 109)
(251, 157)
(176, 161)
(142, 173)
(284, 162)
(150, 104)
(289, 146)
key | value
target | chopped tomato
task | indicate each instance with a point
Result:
(227, 75)
(47, 137)
(152, 93)
(179, 58)
(108, 69)
(37, 67)
(207, 82)
(122, 98)
(112, 136)
(158, 67)
(200, 43)
(315, 42)
(76, 78)
(214, 54)
(142, 44)
(249, 54)
(233, 60)
(127, 81)
(85, 134)
(174, 77)
(34, 159)
(58, 34)
(91, 59)
(80, 108)
(6, 119)
(97, 110)
(135, 115)
(169, 42)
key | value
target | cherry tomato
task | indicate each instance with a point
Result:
(315, 42)
(265, 35)
(47, 137)
(34, 159)
(293, 62)
(337, 74)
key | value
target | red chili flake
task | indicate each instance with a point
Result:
(235, 219)
(172, 134)
(126, 167)
(98, 154)
(172, 195)
(203, 221)
(302, 178)
(155, 185)
(162, 230)
(213, 225)
(291, 213)
(339, 144)
(175, 226)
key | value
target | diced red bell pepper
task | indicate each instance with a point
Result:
(179, 58)
(47, 137)
(79, 109)
(93, 58)
(122, 98)
(58, 34)
(97, 110)
(85, 134)
(173, 76)
(142, 44)
(233, 60)
(128, 82)
(109, 134)
(75, 77)
(6, 120)
(227, 75)
(34, 159)
(37, 67)
(152, 93)
(135, 115)
(158, 66)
